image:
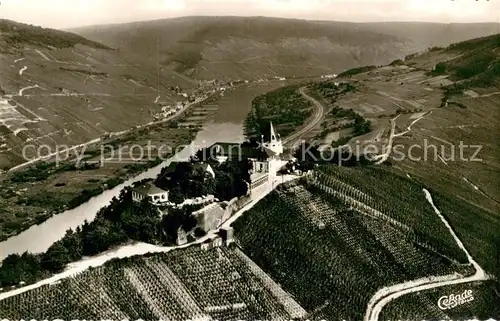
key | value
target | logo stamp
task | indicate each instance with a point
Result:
(453, 300)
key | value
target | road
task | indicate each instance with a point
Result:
(22, 70)
(144, 248)
(98, 140)
(388, 149)
(318, 115)
(385, 295)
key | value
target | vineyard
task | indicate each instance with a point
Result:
(332, 246)
(219, 283)
(399, 198)
(424, 305)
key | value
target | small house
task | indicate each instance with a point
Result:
(149, 191)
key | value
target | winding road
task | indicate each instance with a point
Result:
(318, 115)
(385, 295)
(388, 149)
(22, 70)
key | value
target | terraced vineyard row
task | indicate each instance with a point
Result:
(398, 198)
(186, 284)
(329, 253)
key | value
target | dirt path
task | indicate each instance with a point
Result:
(20, 93)
(42, 54)
(383, 157)
(144, 248)
(22, 70)
(388, 294)
(318, 115)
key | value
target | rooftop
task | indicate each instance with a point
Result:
(148, 189)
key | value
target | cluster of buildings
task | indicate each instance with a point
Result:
(266, 160)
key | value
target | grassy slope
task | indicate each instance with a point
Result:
(18, 34)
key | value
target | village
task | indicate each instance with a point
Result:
(232, 171)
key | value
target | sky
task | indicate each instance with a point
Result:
(74, 13)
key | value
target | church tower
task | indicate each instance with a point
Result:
(273, 148)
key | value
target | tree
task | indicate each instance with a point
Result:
(175, 195)
(73, 243)
(56, 257)
(440, 68)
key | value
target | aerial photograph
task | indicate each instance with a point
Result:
(245, 160)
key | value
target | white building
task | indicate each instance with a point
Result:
(148, 190)
(265, 157)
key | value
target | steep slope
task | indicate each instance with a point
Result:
(424, 34)
(59, 88)
(476, 62)
(256, 47)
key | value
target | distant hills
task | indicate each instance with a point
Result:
(255, 47)
(60, 87)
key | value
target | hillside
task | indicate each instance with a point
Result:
(15, 34)
(257, 47)
(58, 88)
(476, 62)
(426, 34)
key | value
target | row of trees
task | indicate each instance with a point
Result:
(115, 224)
(283, 106)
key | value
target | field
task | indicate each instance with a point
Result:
(219, 283)
(424, 305)
(32, 195)
(332, 244)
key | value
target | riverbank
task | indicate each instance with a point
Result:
(140, 248)
(31, 196)
(223, 123)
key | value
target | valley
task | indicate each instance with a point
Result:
(383, 218)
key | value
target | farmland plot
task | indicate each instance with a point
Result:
(191, 283)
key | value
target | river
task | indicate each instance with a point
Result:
(39, 238)
(225, 126)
